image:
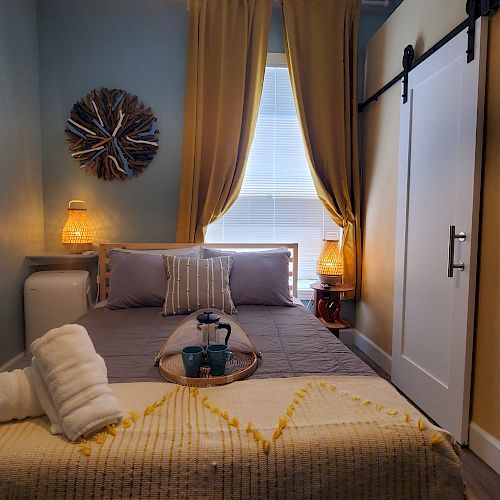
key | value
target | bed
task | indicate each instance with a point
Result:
(313, 421)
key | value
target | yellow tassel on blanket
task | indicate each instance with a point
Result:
(149, 410)
(367, 402)
(282, 422)
(111, 429)
(234, 422)
(126, 423)
(85, 448)
(257, 435)
(407, 416)
(101, 438)
(436, 438)
(266, 446)
(277, 433)
(421, 424)
(134, 416)
(249, 427)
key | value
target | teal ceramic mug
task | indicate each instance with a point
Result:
(191, 357)
(218, 354)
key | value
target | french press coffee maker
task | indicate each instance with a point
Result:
(209, 327)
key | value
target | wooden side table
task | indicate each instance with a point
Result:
(327, 305)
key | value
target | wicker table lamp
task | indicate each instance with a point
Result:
(77, 233)
(330, 267)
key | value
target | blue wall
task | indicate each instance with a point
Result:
(21, 209)
(139, 46)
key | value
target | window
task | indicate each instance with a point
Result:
(278, 202)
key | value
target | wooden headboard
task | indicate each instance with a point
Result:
(105, 272)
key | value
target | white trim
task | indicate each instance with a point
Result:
(351, 336)
(485, 446)
(276, 60)
(12, 362)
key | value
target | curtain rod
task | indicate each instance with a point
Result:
(368, 3)
(476, 9)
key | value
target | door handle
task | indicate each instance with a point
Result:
(451, 251)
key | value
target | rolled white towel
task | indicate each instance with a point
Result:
(18, 398)
(77, 392)
(45, 399)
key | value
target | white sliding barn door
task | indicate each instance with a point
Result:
(438, 188)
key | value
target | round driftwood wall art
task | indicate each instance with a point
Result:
(112, 134)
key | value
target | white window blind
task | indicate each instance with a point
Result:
(278, 202)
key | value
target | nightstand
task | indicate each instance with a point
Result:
(62, 260)
(327, 305)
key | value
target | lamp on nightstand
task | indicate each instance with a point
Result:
(329, 266)
(77, 233)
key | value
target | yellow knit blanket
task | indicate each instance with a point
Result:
(305, 437)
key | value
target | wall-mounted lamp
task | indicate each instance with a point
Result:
(77, 233)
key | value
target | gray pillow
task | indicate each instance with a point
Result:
(195, 284)
(137, 280)
(259, 278)
(138, 277)
(194, 251)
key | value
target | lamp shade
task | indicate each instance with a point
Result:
(77, 233)
(330, 266)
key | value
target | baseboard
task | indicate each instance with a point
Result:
(352, 336)
(485, 446)
(12, 362)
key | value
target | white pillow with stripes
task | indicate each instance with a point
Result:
(195, 284)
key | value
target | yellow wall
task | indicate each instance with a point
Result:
(422, 23)
(486, 382)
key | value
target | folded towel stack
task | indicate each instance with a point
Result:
(68, 379)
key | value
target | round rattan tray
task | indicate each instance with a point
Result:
(242, 365)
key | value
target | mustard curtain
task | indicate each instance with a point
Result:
(225, 72)
(321, 44)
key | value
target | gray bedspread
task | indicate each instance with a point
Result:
(293, 342)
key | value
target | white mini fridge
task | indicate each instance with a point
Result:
(52, 299)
